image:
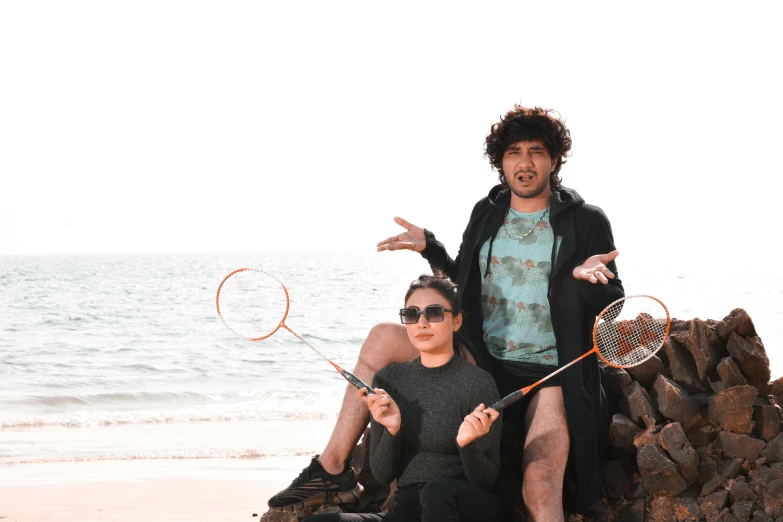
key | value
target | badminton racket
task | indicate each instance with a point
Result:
(254, 305)
(626, 333)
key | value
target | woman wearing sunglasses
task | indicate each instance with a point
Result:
(430, 428)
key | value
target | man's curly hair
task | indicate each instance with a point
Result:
(526, 124)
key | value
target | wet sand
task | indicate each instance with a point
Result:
(148, 491)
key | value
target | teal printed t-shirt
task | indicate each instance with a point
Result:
(517, 321)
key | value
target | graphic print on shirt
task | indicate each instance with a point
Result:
(517, 321)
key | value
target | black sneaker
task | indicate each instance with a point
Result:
(315, 487)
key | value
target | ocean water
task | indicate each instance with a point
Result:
(124, 357)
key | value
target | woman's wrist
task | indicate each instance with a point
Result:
(463, 442)
(393, 431)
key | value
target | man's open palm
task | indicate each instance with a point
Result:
(594, 268)
(412, 239)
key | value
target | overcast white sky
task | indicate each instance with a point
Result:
(205, 126)
(187, 126)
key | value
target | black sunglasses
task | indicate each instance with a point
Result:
(433, 314)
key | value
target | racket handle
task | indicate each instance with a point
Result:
(507, 401)
(357, 381)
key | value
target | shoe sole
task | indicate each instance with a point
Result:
(320, 499)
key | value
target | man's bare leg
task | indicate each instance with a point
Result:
(385, 344)
(545, 456)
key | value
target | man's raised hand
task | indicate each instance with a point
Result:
(594, 268)
(412, 239)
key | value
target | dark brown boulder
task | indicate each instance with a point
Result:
(616, 481)
(775, 388)
(751, 357)
(740, 491)
(647, 436)
(659, 474)
(599, 510)
(739, 446)
(636, 492)
(633, 512)
(702, 433)
(678, 326)
(646, 372)
(621, 433)
(743, 510)
(660, 510)
(672, 439)
(616, 380)
(704, 346)
(769, 482)
(774, 450)
(683, 367)
(739, 322)
(767, 422)
(636, 402)
(686, 510)
(730, 467)
(708, 469)
(712, 485)
(732, 409)
(675, 403)
(761, 476)
(716, 384)
(702, 399)
(730, 373)
(761, 516)
(772, 498)
(712, 504)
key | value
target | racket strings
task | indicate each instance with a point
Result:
(252, 303)
(630, 331)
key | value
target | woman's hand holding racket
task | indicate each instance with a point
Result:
(383, 409)
(412, 239)
(476, 425)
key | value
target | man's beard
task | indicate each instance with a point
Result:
(531, 192)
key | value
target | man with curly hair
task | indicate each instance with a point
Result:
(535, 267)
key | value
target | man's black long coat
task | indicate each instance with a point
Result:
(574, 305)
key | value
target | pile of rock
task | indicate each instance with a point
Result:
(696, 436)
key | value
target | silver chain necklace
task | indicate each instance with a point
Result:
(529, 231)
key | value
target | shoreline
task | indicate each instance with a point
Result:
(119, 491)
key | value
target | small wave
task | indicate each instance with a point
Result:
(115, 418)
(172, 455)
(113, 398)
(145, 367)
(68, 382)
(59, 319)
(317, 338)
(259, 361)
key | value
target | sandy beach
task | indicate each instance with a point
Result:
(150, 491)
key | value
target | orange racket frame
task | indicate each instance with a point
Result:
(513, 397)
(348, 376)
